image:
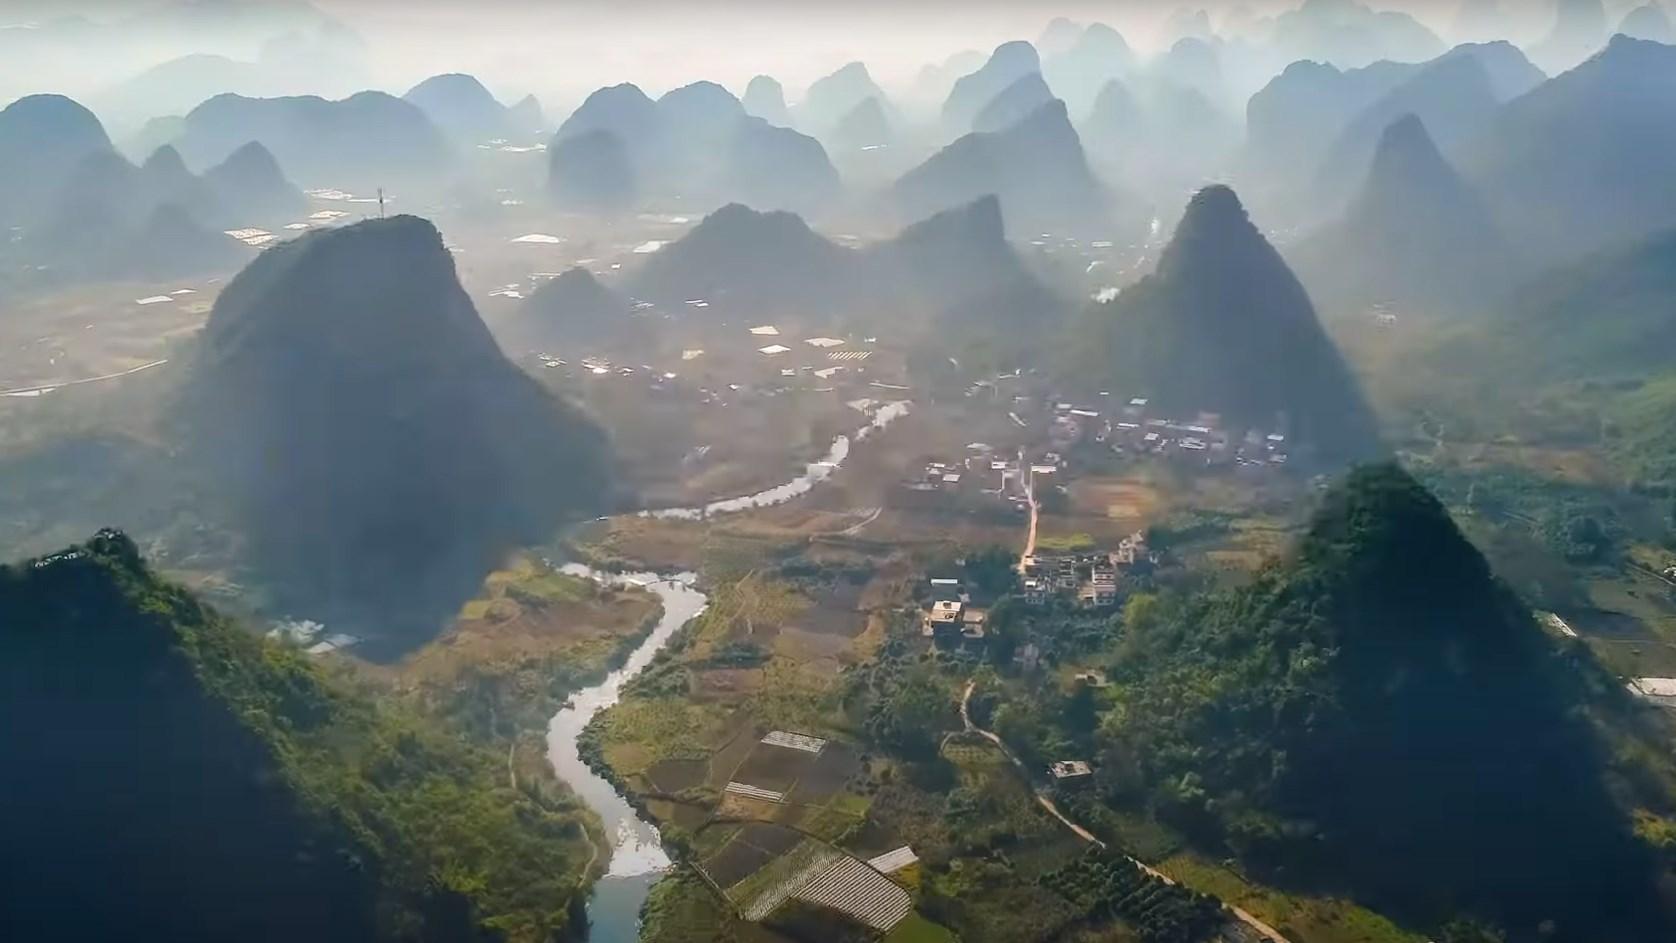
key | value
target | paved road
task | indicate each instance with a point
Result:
(1268, 932)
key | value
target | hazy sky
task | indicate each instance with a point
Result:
(662, 43)
(561, 49)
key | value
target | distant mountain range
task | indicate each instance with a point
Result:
(88, 214)
(1157, 138)
(1312, 130)
(696, 143)
(359, 143)
(1564, 199)
(955, 270)
(1223, 326)
(1350, 35)
(375, 447)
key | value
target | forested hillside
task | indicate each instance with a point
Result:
(169, 776)
(1377, 706)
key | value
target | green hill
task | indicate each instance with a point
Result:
(1610, 315)
(1378, 715)
(169, 776)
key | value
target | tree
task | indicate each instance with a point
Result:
(992, 571)
(912, 716)
(1082, 709)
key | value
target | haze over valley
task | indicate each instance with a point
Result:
(928, 471)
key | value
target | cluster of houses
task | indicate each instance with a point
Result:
(982, 472)
(1090, 578)
(1135, 430)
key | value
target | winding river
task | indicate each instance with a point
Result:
(883, 415)
(637, 857)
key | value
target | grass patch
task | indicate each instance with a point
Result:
(1299, 918)
(917, 929)
(1065, 543)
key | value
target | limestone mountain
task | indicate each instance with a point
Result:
(832, 97)
(1159, 139)
(1349, 35)
(462, 108)
(250, 187)
(740, 260)
(1417, 235)
(1059, 35)
(696, 116)
(43, 139)
(778, 168)
(1315, 126)
(765, 99)
(959, 266)
(373, 446)
(1569, 200)
(592, 171)
(164, 179)
(1293, 120)
(1578, 32)
(112, 220)
(1193, 63)
(527, 117)
(866, 125)
(1224, 326)
(695, 143)
(1098, 55)
(954, 268)
(624, 110)
(574, 311)
(260, 798)
(1452, 96)
(1408, 690)
(362, 142)
(1648, 21)
(1036, 167)
(1015, 103)
(1009, 62)
(932, 84)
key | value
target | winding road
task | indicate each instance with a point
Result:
(1268, 932)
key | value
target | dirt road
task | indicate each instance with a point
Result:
(1268, 932)
(40, 388)
(1035, 513)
